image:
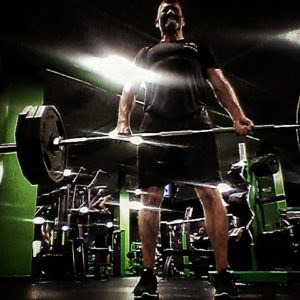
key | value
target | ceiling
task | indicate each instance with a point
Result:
(256, 44)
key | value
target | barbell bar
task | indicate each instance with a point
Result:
(40, 141)
(130, 138)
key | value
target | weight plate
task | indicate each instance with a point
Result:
(41, 162)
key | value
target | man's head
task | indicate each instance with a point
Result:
(169, 17)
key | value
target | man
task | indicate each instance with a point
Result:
(175, 100)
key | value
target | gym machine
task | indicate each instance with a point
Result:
(73, 231)
(264, 246)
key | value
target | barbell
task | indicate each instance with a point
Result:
(41, 143)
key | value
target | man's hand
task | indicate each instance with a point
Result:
(243, 126)
(121, 129)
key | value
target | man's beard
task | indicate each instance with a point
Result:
(171, 26)
(170, 23)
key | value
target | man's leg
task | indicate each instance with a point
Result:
(217, 229)
(216, 223)
(148, 223)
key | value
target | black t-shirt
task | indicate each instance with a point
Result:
(177, 71)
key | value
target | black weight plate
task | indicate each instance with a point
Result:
(41, 162)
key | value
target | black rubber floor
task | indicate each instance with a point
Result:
(173, 288)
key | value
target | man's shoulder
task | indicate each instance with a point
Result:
(147, 48)
(141, 56)
(203, 48)
(196, 44)
(144, 50)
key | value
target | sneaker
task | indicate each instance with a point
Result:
(224, 286)
(146, 288)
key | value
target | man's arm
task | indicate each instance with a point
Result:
(126, 105)
(127, 100)
(229, 101)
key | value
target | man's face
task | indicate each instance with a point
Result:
(169, 18)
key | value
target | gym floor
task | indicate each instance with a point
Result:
(174, 288)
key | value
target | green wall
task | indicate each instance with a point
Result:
(17, 195)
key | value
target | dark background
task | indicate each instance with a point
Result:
(256, 43)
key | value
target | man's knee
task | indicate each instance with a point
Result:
(209, 196)
(153, 196)
(207, 193)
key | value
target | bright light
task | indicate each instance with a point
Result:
(118, 69)
(65, 228)
(109, 224)
(136, 205)
(137, 192)
(115, 68)
(113, 134)
(83, 210)
(67, 172)
(291, 36)
(224, 187)
(38, 220)
(136, 140)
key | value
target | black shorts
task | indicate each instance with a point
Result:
(196, 163)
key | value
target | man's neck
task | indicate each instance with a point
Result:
(177, 36)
